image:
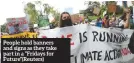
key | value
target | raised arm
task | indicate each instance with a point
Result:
(127, 23)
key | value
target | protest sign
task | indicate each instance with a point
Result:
(21, 35)
(75, 18)
(90, 44)
(96, 11)
(17, 25)
(111, 7)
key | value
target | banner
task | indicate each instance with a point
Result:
(15, 25)
(21, 35)
(90, 44)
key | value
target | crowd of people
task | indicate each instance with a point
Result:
(125, 21)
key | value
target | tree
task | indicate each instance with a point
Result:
(39, 3)
(37, 16)
(3, 28)
(47, 9)
(43, 19)
(56, 15)
(32, 12)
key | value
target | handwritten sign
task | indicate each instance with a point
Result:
(17, 23)
(111, 8)
(96, 11)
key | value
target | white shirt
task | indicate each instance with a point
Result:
(121, 23)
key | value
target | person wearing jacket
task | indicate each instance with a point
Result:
(131, 43)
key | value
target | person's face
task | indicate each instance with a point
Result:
(113, 19)
(65, 16)
(105, 17)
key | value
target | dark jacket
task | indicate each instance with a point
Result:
(131, 43)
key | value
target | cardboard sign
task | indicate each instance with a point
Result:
(75, 18)
(96, 11)
(111, 8)
(17, 25)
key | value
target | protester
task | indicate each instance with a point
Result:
(99, 22)
(17, 29)
(105, 21)
(112, 22)
(74, 23)
(86, 20)
(65, 20)
(81, 22)
(131, 43)
(51, 26)
(131, 22)
(32, 29)
(131, 19)
(125, 20)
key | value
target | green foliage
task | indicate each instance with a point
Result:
(47, 9)
(103, 8)
(92, 17)
(36, 16)
(57, 16)
(3, 28)
(32, 12)
(43, 22)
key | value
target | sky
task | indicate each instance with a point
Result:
(15, 8)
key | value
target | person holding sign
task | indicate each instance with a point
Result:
(131, 43)
(105, 21)
(125, 19)
(99, 22)
(112, 22)
(65, 20)
(17, 29)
